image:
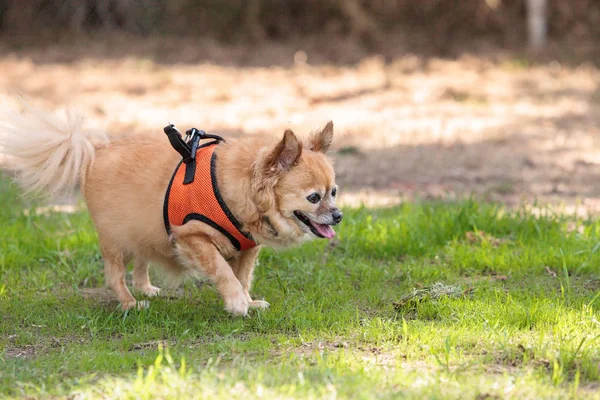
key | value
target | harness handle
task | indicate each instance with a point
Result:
(178, 143)
(188, 147)
(192, 132)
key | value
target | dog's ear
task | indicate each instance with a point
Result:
(321, 140)
(286, 154)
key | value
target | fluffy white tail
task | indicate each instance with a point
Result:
(49, 155)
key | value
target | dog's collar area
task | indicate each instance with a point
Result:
(270, 226)
(193, 193)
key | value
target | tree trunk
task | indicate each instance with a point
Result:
(361, 23)
(537, 23)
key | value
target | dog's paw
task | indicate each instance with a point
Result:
(237, 305)
(259, 304)
(142, 305)
(149, 290)
(135, 305)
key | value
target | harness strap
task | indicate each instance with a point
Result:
(190, 167)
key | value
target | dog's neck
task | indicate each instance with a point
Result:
(235, 171)
(270, 228)
(236, 176)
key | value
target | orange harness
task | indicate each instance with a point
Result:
(193, 194)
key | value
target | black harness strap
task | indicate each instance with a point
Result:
(190, 167)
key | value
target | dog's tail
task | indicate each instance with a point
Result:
(50, 156)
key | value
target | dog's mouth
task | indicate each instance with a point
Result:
(319, 230)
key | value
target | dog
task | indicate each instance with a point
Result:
(275, 192)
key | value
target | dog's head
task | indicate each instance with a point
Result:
(300, 187)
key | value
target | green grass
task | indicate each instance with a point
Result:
(430, 300)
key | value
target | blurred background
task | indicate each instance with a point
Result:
(430, 98)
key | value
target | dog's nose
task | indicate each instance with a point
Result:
(337, 216)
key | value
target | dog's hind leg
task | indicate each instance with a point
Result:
(114, 272)
(141, 280)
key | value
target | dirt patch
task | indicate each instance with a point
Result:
(407, 127)
(370, 354)
(24, 352)
(152, 345)
(43, 344)
(100, 295)
(107, 296)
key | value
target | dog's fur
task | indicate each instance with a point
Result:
(124, 181)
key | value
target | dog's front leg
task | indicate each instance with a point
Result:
(202, 254)
(243, 268)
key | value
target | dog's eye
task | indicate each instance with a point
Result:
(314, 198)
(333, 192)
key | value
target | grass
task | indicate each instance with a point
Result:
(431, 300)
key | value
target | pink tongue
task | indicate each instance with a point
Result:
(324, 230)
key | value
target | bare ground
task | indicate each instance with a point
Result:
(407, 126)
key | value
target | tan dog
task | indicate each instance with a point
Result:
(281, 192)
